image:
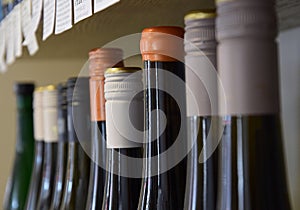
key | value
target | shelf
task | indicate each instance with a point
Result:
(131, 16)
(124, 18)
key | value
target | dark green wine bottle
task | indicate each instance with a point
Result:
(124, 98)
(50, 147)
(200, 60)
(79, 134)
(163, 185)
(36, 176)
(19, 181)
(62, 150)
(100, 60)
(252, 169)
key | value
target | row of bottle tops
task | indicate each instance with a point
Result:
(161, 43)
(87, 95)
(66, 108)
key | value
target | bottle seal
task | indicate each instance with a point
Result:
(50, 114)
(201, 78)
(38, 119)
(162, 43)
(99, 60)
(124, 107)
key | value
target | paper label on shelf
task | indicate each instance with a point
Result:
(3, 66)
(103, 4)
(49, 15)
(26, 17)
(82, 9)
(18, 30)
(63, 20)
(36, 13)
(31, 43)
(9, 30)
(34, 20)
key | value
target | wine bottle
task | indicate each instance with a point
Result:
(163, 185)
(19, 181)
(78, 164)
(200, 60)
(62, 147)
(50, 147)
(124, 100)
(100, 60)
(36, 176)
(252, 169)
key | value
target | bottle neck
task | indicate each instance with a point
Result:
(165, 112)
(97, 98)
(25, 137)
(72, 137)
(96, 83)
(78, 121)
(62, 123)
(120, 163)
(98, 144)
(39, 145)
(247, 58)
(117, 185)
(175, 67)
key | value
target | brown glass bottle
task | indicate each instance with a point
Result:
(162, 51)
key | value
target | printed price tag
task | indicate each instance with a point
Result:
(17, 30)
(63, 20)
(103, 4)
(82, 9)
(3, 66)
(49, 15)
(9, 29)
(31, 41)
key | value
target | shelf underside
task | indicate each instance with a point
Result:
(129, 17)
